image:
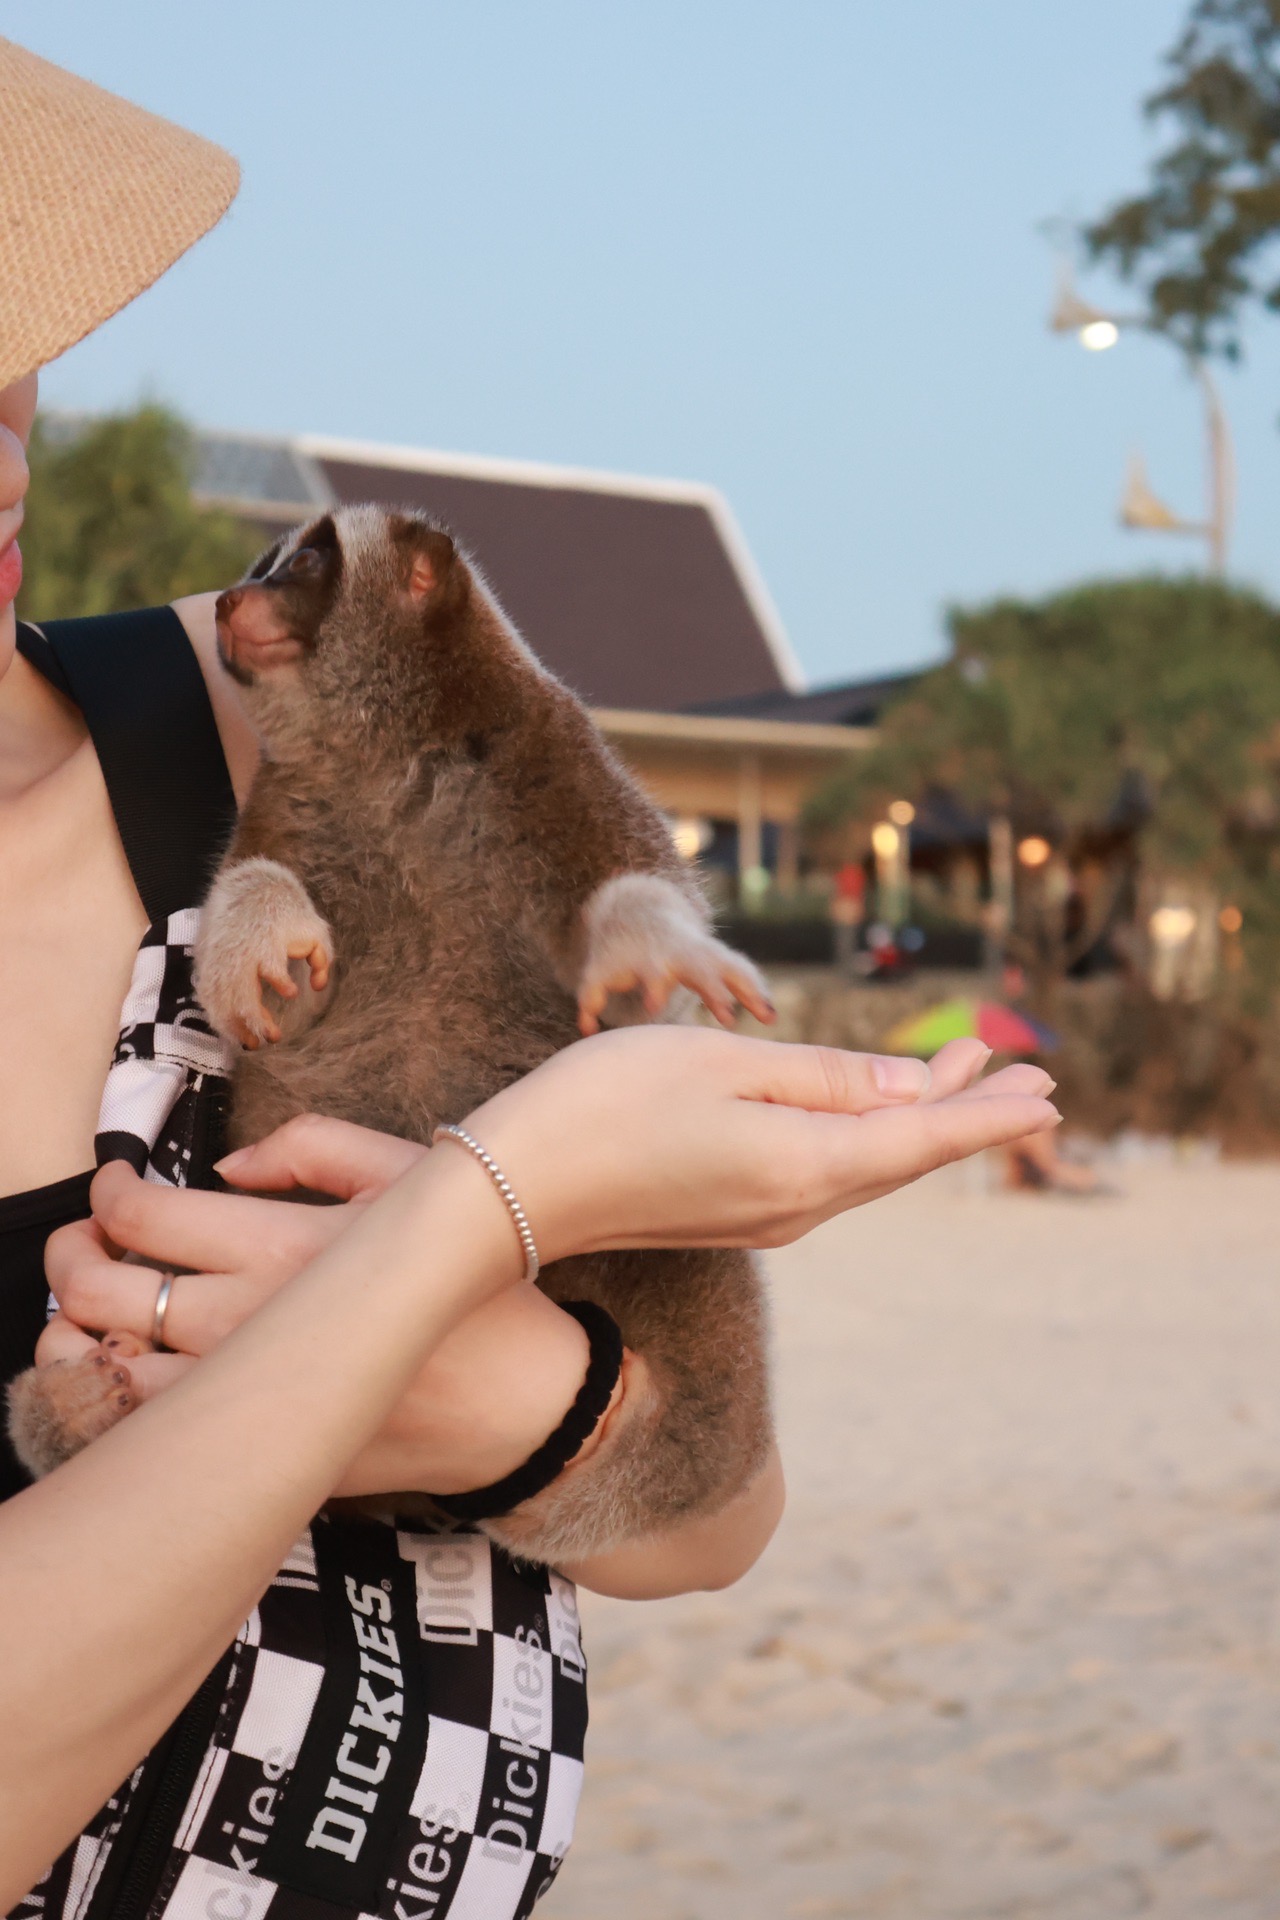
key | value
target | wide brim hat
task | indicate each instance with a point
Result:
(97, 198)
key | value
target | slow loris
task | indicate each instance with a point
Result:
(443, 856)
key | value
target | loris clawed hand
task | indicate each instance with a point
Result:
(442, 875)
(261, 937)
(645, 936)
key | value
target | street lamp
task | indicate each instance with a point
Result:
(1140, 507)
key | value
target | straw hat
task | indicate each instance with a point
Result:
(97, 198)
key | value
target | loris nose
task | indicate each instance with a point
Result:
(251, 614)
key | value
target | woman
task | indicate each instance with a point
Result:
(383, 1343)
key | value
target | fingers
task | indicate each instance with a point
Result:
(709, 972)
(318, 961)
(282, 980)
(956, 1066)
(722, 986)
(750, 993)
(1020, 1078)
(892, 1146)
(62, 1339)
(831, 1080)
(593, 998)
(151, 1373)
(711, 988)
(827, 1079)
(180, 1227)
(203, 1309)
(328, 1156)
(252, 1032)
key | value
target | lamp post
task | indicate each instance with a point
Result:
(1140, 507)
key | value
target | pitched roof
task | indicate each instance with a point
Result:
(639, 593)
(847, 703)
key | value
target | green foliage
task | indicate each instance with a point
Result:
(1197, 240)
(1058, 713)
(111, 522)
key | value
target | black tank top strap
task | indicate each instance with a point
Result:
(136, 680)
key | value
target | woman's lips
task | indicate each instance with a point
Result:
(10, 573)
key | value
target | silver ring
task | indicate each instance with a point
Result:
(161, 1309)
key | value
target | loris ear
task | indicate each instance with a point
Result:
(430, 558)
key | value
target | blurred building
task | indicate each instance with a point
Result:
(640, 594)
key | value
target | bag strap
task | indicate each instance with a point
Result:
(136, 679)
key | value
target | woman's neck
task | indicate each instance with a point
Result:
(72, 921)
(39, 730)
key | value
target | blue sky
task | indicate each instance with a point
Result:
(787, 246)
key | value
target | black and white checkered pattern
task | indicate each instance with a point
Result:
(169, 1065)
(488, 1813)
(494, 1722)
(492, 1637)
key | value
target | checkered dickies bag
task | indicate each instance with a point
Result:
(165, 1097)
(398, 1730)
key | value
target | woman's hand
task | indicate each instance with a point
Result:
(685, 1137)
(488, 1396)
(242, 1248)
(669, 1136)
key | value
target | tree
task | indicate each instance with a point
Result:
(111, 522)
(1198, 240)
(1137, 718)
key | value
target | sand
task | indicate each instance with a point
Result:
(1016, 1650)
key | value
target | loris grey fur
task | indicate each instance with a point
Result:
(443, 855)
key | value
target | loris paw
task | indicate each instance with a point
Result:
(644, 937)
(260, 934)
(56, 1410)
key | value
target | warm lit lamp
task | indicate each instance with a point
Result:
(1170, 926)
(1070, 314)
(1140, 507)
(691, 836)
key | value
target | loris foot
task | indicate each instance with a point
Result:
(56, 1410)
(257, 921)
(645, 936)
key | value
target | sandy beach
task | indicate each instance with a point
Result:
(1016, 1650)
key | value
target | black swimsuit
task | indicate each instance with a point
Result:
(26, 1221)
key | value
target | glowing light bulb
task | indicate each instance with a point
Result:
(901, 812)
(1098, 335)
(1170, 926)
(1033, 851)
(690, 837)
(884, 840)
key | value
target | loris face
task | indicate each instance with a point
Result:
(362, 606)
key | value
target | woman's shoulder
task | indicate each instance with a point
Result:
(239, 741)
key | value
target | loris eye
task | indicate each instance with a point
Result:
(305, 562)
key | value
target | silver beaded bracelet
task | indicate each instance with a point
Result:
(507, 1192)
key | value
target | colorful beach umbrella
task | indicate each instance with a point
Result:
(998, 1027)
